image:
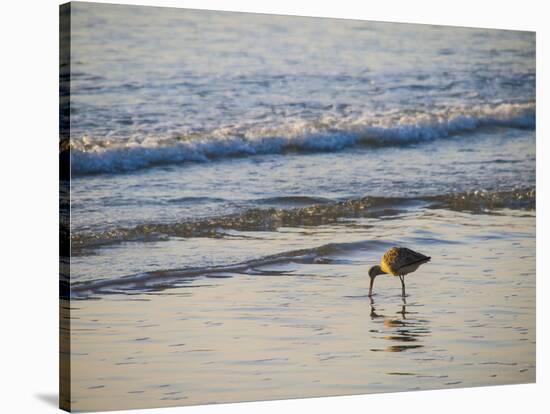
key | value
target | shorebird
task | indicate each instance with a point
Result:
(397, 261)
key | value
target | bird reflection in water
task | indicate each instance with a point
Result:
(404, 332)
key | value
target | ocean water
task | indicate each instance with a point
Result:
(253, 167)
(303, 326)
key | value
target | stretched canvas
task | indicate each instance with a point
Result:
(259, 207)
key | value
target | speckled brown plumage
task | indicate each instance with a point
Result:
(400, 261)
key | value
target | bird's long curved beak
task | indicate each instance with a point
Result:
(371, 285)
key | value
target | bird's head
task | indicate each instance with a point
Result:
(373, 272)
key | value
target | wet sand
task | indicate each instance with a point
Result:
(298, 329)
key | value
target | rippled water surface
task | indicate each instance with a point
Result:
(234, 177)
(306, 327)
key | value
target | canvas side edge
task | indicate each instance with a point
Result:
(64, 206)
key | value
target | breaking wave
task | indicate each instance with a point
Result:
(319, 212)
(89, 156)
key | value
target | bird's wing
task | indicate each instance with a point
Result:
(407, 257)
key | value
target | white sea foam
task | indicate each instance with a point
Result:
(330, 133)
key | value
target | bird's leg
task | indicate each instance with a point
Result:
(402, 278)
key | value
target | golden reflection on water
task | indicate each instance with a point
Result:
(307, 329)
(401, 330)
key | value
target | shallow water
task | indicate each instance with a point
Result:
(296, 329)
